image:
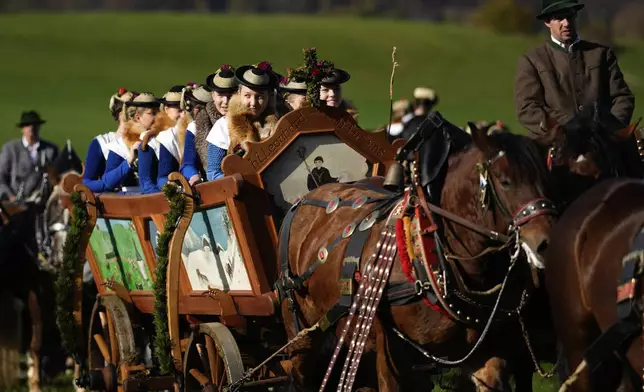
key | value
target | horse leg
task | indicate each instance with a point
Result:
(386, 379)
(492, 376)
(33, 362)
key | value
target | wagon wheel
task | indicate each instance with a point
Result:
(212, 360)
(111, 345)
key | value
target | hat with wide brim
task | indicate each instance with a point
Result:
(256, 78)
(337, 76)
(223, 80)
(292, 86)
(195, 95)
(172, 98)
(144, 100)
(551, 7)
(30, 118)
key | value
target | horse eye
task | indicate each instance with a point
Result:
(505, 183)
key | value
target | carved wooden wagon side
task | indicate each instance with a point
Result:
(222, 318)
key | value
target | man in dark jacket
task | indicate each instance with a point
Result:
(22, 161)
(566, 74)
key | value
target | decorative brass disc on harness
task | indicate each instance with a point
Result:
(360, 202)
(369, 221)
(323, 253)
(348, 230)
(333, 204)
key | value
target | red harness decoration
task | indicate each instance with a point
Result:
(430, 255)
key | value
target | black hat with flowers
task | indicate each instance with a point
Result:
(257, 77)
(223, 80)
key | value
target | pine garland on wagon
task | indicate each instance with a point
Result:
(162, 344)
(65, 281)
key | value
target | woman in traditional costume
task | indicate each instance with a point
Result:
(120, 171)
(331, 91)
(222, 84)
(159, 152)
(193, 101)
(251, 116)
(292, 93)
(97, 153)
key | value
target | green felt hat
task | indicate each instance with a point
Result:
(550, 7)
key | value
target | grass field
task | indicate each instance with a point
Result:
(67, 65)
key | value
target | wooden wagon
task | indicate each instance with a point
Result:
(222, 316)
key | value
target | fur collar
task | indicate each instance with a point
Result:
(242, 128)
(132, 133)
(161, 123)
(349, 108)
(204, 120)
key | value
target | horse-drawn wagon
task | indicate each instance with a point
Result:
(186, 278)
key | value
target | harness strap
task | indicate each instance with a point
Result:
(628, 324)
(287, 284)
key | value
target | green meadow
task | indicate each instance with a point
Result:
(66, 66)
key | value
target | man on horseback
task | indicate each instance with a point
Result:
(566, 75)
(22, 161)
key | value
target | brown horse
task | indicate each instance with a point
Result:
(583, 267)
(510, 176)
(589, 148)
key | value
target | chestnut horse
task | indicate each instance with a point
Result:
(583, 268)
(505, 167)
(589, 148)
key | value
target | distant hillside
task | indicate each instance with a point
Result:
(67, 65)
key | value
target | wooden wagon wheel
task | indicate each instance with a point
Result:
(111, 345)
(212, 360)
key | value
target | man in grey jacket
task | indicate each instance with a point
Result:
(23, 160)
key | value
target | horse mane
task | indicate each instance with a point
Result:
(524, 155)
(585, 133)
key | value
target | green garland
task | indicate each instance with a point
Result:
(312, 73)
(162, 346)
(65, 281)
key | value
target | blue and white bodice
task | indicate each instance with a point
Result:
(96, 162)
(169, 154)
(191, 164)
(149, 165)
(218, 143)
(119, 175)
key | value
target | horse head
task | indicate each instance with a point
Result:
(500, 182)
(586, 150)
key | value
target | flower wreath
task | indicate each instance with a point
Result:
(312, 73)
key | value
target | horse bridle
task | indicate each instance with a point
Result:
(530, 210)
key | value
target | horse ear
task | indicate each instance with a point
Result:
(480, 137)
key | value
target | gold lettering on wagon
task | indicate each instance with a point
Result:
(266, 152)
(359, 135)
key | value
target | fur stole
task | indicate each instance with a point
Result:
(132, 133)
(204, 120)
(242, 128)
(161, 123)
(180, 132)
(349, 108)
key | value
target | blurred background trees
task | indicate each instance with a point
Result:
(603, 20)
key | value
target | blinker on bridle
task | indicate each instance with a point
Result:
(532, 209)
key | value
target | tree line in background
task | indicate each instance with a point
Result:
(603, 21)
